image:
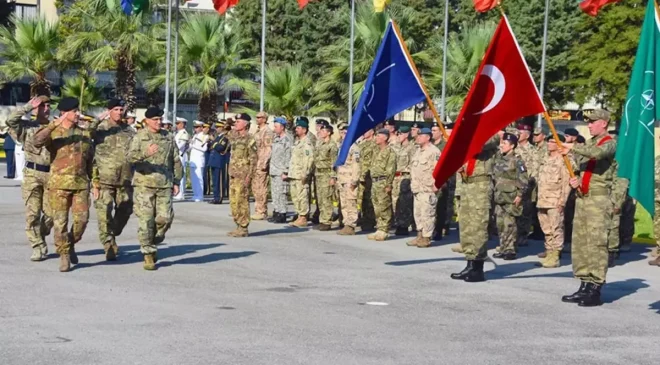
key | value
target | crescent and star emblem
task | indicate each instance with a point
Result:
(647, 103)
(495, 75)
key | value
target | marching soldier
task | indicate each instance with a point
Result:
(264, 140)
(111, 177)
(348, 181)
(325, 156)
(423, 187)
(382, 170)
(367, 150)
(34, 188)
(279, 168)
(241, 170)
(300, 171)
(593, 209)
(158, 171)
(219, 147)
(182, 140)
(71, 154)
(198, 148)
(526, 152)
(402, 195)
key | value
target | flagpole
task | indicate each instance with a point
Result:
(443, 114)
(350, 64)
(419, 77)
(556, 137)
(543, 52)
(167, 57)
(176, 58)
(263, 54)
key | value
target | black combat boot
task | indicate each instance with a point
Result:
(282, 218)
(437, 236)
(611, 259)
(509, 256)
(577, 296)
(463, 274)
(476, 274)
(592, 296)
(401, 231)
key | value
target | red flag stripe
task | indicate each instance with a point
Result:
(302, 3)
(592, 7)
(221, 6)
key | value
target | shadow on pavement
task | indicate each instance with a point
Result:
(614, 291)
(424, 261)
(285, 229)
(655, 307)
(130, 254)
(507, 271)
(213, 257)
(637, 253)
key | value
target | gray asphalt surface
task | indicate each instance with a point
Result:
(289, 296)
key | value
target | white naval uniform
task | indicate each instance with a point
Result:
(19, 161)
(198, 147)
(182, 140)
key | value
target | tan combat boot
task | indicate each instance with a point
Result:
(371, 236)
(301, 222)
(347, 231)
(257, 217)
(424, 242)
(551, 260)
(655, 261)
(380, 236)
(241, 232)
(65, 262)
(458, 249)
(149, 263)
(655, 252)
(414, 242)
(39, 253)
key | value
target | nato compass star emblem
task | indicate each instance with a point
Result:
(646, 112)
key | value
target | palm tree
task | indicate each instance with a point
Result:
(464, 53)
(29, 51)
(108, 39)
(209, 54)
(85, 85)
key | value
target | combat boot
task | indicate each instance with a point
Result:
(294, 218)
(347, 231)
(457, 248)
(65, 263)
(158, 240)
(476, 275)
(149, 263)
(577, 296)
(111, 251)
(242, 232)
(611, 259)
(592, 296)
(281, 218)
(401, 231)
(234, 232)
(39, 253)
(371, 236)
(542, 255)
(551, 261)
(424, 242)
(463, 273)
(301, 222)
(381, 236)
(323, 227)
(437, 236)
(655, 261)
(415, 241)
(655, 252)
(257, 217)
(73, 257)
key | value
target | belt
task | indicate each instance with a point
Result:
(400, 173)
(476, 179)
(36, 166)
(598, 192)
(324, 170)
(378, 178)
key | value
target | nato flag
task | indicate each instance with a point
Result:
(392, 86)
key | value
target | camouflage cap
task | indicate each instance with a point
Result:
(598, 114)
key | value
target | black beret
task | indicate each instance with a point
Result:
(510, 137)
(68, 104)
(114, 102)
(390, 122)
(571, 132)
(551, 138)
(327, 127)
(580, 139)
(322, 122)
(243, 116)
(153, 112)
(450, 125)
(416, 125)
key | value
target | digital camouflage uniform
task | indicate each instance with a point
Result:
(300, 170)
(476, 195)
(264, 140)
(593, 210)
(348, 180)
(619, 193)
(511, 181)
(71, 154)
(34, 188)
(242, 164)
(112, 175)
(528, 155)
(382, 169)
(367, 152)
(279, 164)
(153, 179)
(402, 196)
(422, 184)
(325, 156)
(553, 191)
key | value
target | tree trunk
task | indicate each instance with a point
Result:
(39, 86)
(208, 108)
(125, 81)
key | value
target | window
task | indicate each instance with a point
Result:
(26, 11)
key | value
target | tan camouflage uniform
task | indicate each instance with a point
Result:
(422, 183)
(382, 170)
(367, 152)
(553, 192)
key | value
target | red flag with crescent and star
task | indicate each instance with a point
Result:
(221, 6)
(502, 92)
(592, 7)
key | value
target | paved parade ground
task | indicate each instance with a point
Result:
(291, 296)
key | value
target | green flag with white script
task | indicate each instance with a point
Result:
(635, 149)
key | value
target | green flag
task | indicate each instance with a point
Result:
(635, 150)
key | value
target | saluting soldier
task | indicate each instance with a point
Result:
(219, 147)
(158, 170)
(34, 188)
(182, 140)
(382, 169)
(300, 172)
(325, 156)
(242, 164)
(348, 180)
(71, 155)
(264, 140)
(279, 169)
(423, 187)
(402, 195)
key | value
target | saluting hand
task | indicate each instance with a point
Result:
(153, 148)
(35, 102)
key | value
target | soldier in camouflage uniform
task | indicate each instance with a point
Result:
(402, 195)
(593, 209)
(264, 139)
(526, 152)
(451, 189)
(300, 172)
(382, 169)
(71, 153)
(111, 177)
(279, 168)
(367, 150)
(438, 140)
(618, 195)
(38, 221)
(348, 179)
(242, 164)
(511, 184)
(423, 187)
(655, 254)
(474, 210)
(325, 156)
(540, 146)
(571, 135)
(155, 158)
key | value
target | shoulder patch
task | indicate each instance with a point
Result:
(521, 166)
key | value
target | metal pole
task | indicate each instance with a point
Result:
(443, 102)
(545, 42)
(176, 58)
(263, 54)
(350, 62)
(167, 57)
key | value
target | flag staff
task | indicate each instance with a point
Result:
(167, 57)
(419, 77)
(176, 58)
(443, 114)
(543, 54)
(263, 54)
(350, 63)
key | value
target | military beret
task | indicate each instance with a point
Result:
(342, 126)
(551, 138)
(114, 102)
(153, 112)
(524, 127)
(243, 116)
(166, 121)
(404, 129)
(416, 125)
(280, 120)
(450, 125)
(302, 122)
(68, 104)
(571, 132)
(322, 122)
(390, 122)
(198, 123)
(580, 139)
(384, 131)
(510, 137)
(425, 131)
(328, 127)
(598, 114)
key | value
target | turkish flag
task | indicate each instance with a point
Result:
(502, 92)
(483, 6)
(591, 7)
(302, 3)
(221, 6)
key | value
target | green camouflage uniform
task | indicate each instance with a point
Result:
(382, 169)
(38, 221)
(402, 196)
(112, 175)
(531, 159)
(325, 156)
(71, 154)
(242, 164)
(367, 151)
(619, 193)
(593, 211)
(511, 181)
(153, 179)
